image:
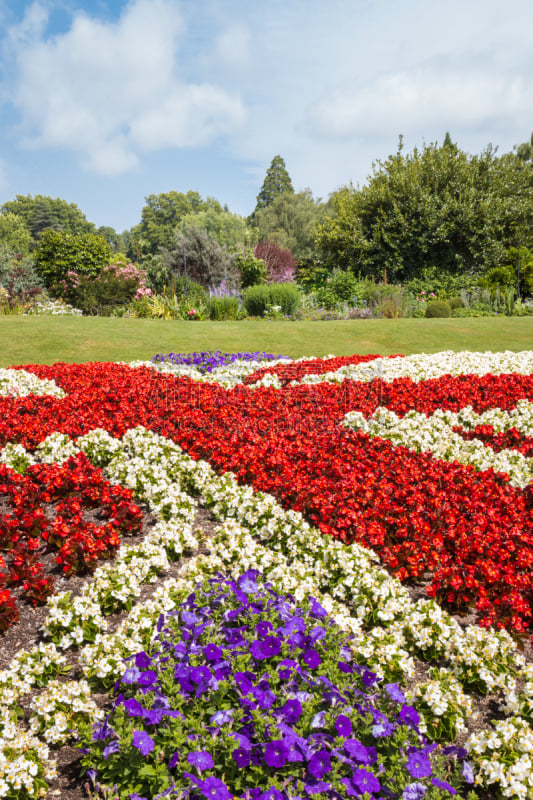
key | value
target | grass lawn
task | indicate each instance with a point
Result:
(45, 340)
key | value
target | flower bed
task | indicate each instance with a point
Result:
(273, 439)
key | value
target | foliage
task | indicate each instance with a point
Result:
(438, 308)
(291, 219)
(224, 308)
(311, 274)
(60, 253)
(251, 269)
(277, 182)
(18, 279)
(260, 298)
(524, 151)
(176, 300)
(229, 230)
(437, 207)
(42, 213)
(114, 286)
(442, 284)
(279, 262)
(14, 234)
(160, 216)
(205, 261)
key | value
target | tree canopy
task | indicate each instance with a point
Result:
(291, 220)
(42, 213)
(163, 212)
(435, 207)
(277, 181)
(230, 230)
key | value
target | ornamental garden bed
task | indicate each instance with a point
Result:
(357, 690)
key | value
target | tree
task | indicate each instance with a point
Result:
(207, 262)
(42, 213)
(525, 151)
(14, 234)
(437, 207)
(111, 236)
(163, 212)
(61, 253)
(230, 230)
(277, 181)
(291, 219)
(280, 263)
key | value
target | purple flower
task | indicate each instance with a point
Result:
(467, 772)
(241, 757)
(200, 674)
(418, 765)
(247, 583)
(222, 717)
(443, 785)
(357, 751)
(320, 764)
(369, 678)
(173, 760)
(144, 743)
(214, 789)
(266, 648)
(365, 781)
(351, 789)
(112, 747)
(409, 716)
(414, 791)
(317, 610)
(263, 628)
(276, 754)
(212, 652)
(382, 729)
(311, 658)
(314, 786)
(395, 692)
(142, 660)
(201, 759)
(271, 794)
(343, 725)
(134, 708)
(292, 711)
(147, 678)
(131, 676)
(318, 720)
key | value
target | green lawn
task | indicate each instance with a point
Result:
(45, 340)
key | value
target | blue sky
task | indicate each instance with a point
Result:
(103, 102)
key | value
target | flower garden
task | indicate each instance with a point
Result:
(333, 598)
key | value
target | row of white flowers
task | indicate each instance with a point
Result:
(19, 382)
(424, 366)
(297, 558)
(435, 434)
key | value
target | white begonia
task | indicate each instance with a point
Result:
(20, 383)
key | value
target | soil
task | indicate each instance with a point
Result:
(25, 634)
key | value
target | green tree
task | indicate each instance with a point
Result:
(111, 236)
(198, 255)
(437, 207)
(61, 253)
(524, 151)
(277, 181)
(291, 219)
(230, 230)
(14, 234)
(163, 212)
(42, 213)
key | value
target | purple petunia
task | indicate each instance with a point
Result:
(320, 764)
(414, 791)
(212, 652)
(241, 757)
(360, 753)
(443, 785)
(266, 648)
(214, 789)
(144, 743)
(418, 765)
(201, 759)
(276, 754)
(394, 691)
(112, 747)
(222, 717)
(365, 781)
(343, 725)
(271, 794)
(382, 729)
(467, 772)
(312, 658)
(292, 711)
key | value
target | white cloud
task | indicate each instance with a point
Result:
(113, 90)
(423, 99)
(233, 46)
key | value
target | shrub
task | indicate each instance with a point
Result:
(279, 261)
(456, 302)
(438, 308)
(224, 308)
(258, 299)
(253, 270)
(61, 253)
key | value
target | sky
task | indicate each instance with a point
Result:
(104, 102)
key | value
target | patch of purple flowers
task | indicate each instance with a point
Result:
(209, 360)
(242, 694)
